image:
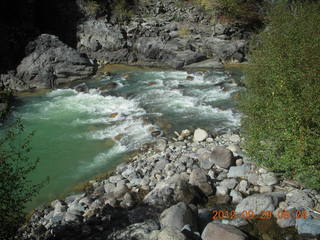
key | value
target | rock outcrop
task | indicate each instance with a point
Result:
(49, 63)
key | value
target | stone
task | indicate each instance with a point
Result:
(199, 135)
(210, 63)
(50, 63)
(239, 162)
(160, 145)
(309, 226)
(269, 179)
(222, 190)
(222, 157)
(265, 189)
(239, 171)
(115, 178)
(170, 191)
(285, 217)
(253, 178)
(236, 196)
(199, 178)
(178, 216)
(230, 183)
(185, 133)
(141, 231)
(298, 198)
(204, 157)
(120, 190)
(171, 234)
(109, 187)
(127, 201)
(222, 231)
(243, 186)
(257, 203)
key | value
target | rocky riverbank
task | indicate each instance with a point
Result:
(193, 186)
(162, 33)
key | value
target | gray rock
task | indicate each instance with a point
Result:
(269, 179)
(199, 178)
(239, 171)
(109, 187)
(170, 191)
(266, 189)
(199, 135)
(309, 226)
(284, 220)
(230, 183)
(257, 203)
(141, 231)
(171, 234)
(222, 157)
(160, 145)
(178, 216)
(50, 63)
(222, 231)
(253, 178)
(298, 198)
(236, 196)
(243, 186)
(127, 201)
(204, 157)
(221, 191)
(120, 190)
(115, 178)
(210, 63)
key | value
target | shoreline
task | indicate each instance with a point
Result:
(180, 175)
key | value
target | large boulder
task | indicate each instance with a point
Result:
(168, 192)
(222, 157)
(50, 62)
(257, 203)
(199, 178)
(141, 231)
(216, 231)
(103, 41)
(178, 216)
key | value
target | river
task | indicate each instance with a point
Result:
(79, 135)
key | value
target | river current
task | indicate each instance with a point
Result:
(81, 134)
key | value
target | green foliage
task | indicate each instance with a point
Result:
(184, 31)
(122, 11)
(244, 11)
(282, 101)
(92, 7)
(15, 189)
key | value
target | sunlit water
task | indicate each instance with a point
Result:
(78, 135)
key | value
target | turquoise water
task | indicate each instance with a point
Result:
(78, 135)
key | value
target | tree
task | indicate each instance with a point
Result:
(281, 105)
(15, 187)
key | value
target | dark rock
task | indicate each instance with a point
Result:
(178, 216)
(222, 231)
(82, 87)
(222, 157)
(50, 63)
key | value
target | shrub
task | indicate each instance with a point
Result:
(282, 102)
(184, 31)
(122, 11)
(15, 189)
(244, 11)
(92, 7)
